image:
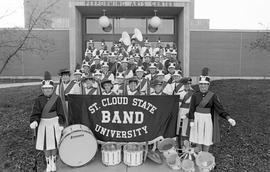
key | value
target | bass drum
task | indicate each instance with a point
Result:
(77, 145)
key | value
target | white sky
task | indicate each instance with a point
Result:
(223, 14)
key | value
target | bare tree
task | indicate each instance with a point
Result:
(13, 41)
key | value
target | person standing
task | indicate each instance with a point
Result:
(48, 118)
(205, 109)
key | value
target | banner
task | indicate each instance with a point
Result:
(125, 118)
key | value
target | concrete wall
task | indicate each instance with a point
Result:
(227, 53)
(34, 64)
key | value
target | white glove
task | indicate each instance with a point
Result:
(33, 125)
(232, 121)
(61, 128)
(192, 124)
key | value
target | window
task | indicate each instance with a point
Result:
(93, 27)
(166, 27)
(128, 24)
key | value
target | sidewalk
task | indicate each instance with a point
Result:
(9, 85)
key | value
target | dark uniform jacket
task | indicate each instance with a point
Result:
(39, 104)
(216, 108)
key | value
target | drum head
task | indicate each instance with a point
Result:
(77, 148)
(111, 147)
(166, 144)
(205, 160)
(187, 164)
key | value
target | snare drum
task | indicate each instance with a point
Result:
(205, 161)
(188, 165)
(133, 154)
(77, 145)
(167, 147)
(111, 154)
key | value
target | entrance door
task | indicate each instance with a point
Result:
(166, 33)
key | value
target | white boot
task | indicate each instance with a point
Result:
(48, 162)
(53, 164)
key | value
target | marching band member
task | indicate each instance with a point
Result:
(132, 64)
(88, 86)
(65, 84)
(91, 48)
(48, 117)
(103, 47)
(158, 49)
(158, 87)
(146, 61)
(185, 97)
(113, 63)
(107, 86)
(177, 86)
(133, 87)
(106, 74)
(171, 70)
(205, 109)
(127, 72)
(146, 48)
(96, 64)
(85, 69)
(152, 72)
(76, 89)
(143, 84)
(119, 84)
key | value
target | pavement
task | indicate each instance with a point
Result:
(96, 165)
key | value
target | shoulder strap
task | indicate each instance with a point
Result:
(92, 91)
(178, 87)
(49, 104)
(206, 99)
(69, 87)
(187, 96)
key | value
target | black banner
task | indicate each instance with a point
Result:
(125, 118)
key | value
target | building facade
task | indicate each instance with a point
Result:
(70, 24)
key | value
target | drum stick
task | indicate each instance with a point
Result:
(146, 151)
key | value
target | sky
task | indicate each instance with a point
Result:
(223, 14)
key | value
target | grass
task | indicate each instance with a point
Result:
(244, 148)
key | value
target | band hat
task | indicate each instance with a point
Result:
(204, 78)
(97, 57)
(120, 55)
(112, 54)
(86, 64)
(105, 52)
(160, 73)
(177, 73)
(168, 51)
(77, 72)
(174, 51)
(47, 82)
(133, 79)
(131, 57)
(147, 55)
(152, 65)
(172, 65)
(124, 60)
(106, 81)
(120, 75)
(105, 64)
(157, 82)
(97, 72)
(64, 71)
(186, 80)
(137, 55)
(89, 77)
(139, 69)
